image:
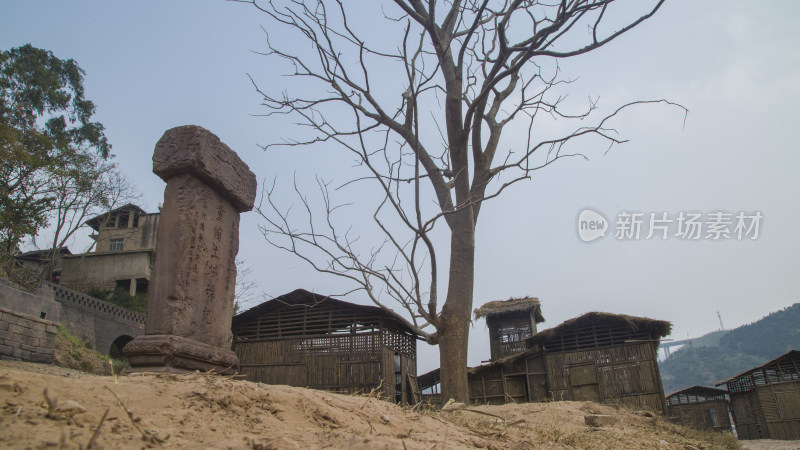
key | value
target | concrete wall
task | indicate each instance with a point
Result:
(94, 321)
(26, 337)
(42, 306)
(101, 270)
(28, 324)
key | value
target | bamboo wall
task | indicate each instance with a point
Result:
(327, 345)
(626, 375)
(499, 384)
(769, 411)
(700, 407)
(507, 333)
(712, 415)
(623, 374)
(766, 400)
(344, 364)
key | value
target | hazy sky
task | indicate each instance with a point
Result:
(735, 65)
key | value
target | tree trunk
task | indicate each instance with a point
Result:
(455, 317)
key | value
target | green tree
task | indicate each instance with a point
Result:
(46, 136)
(443, 105)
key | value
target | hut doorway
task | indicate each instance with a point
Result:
(583, 382)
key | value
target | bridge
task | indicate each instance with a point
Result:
(666, 345)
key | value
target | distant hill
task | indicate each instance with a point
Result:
(722, 354)
(710, 339)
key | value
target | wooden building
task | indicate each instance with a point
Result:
(310, 340)
(510, 323)
(766, 399)
(700, 407)
(607, 358)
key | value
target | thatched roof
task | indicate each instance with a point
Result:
(513, 305)
(655, 328)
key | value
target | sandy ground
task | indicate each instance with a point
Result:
(43, 406)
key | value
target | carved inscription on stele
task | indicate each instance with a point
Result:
(196, 286)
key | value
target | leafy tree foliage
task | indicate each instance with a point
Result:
(49, 145)
(736, 351)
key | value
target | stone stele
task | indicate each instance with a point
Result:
(190, 301)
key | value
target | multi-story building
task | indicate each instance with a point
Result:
(124, 250)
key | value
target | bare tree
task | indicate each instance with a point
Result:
(245, 289)
(421, 96)
(82, 188)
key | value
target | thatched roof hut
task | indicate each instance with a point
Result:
(700, 407)
(601, 357)
(311, 340)
(766, 399)
(510, 322)
(512, 305)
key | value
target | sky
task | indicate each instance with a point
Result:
(734, 65)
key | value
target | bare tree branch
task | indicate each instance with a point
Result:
(459, 75)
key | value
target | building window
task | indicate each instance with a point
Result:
(123, 221)
(115, 245)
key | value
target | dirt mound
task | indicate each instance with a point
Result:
(43, 406)
(73, 354)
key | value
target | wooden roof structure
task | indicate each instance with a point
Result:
(331, 324)
(583, 328)
(783, 368)
(699, 390)
(512, 305)
(696, 394)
